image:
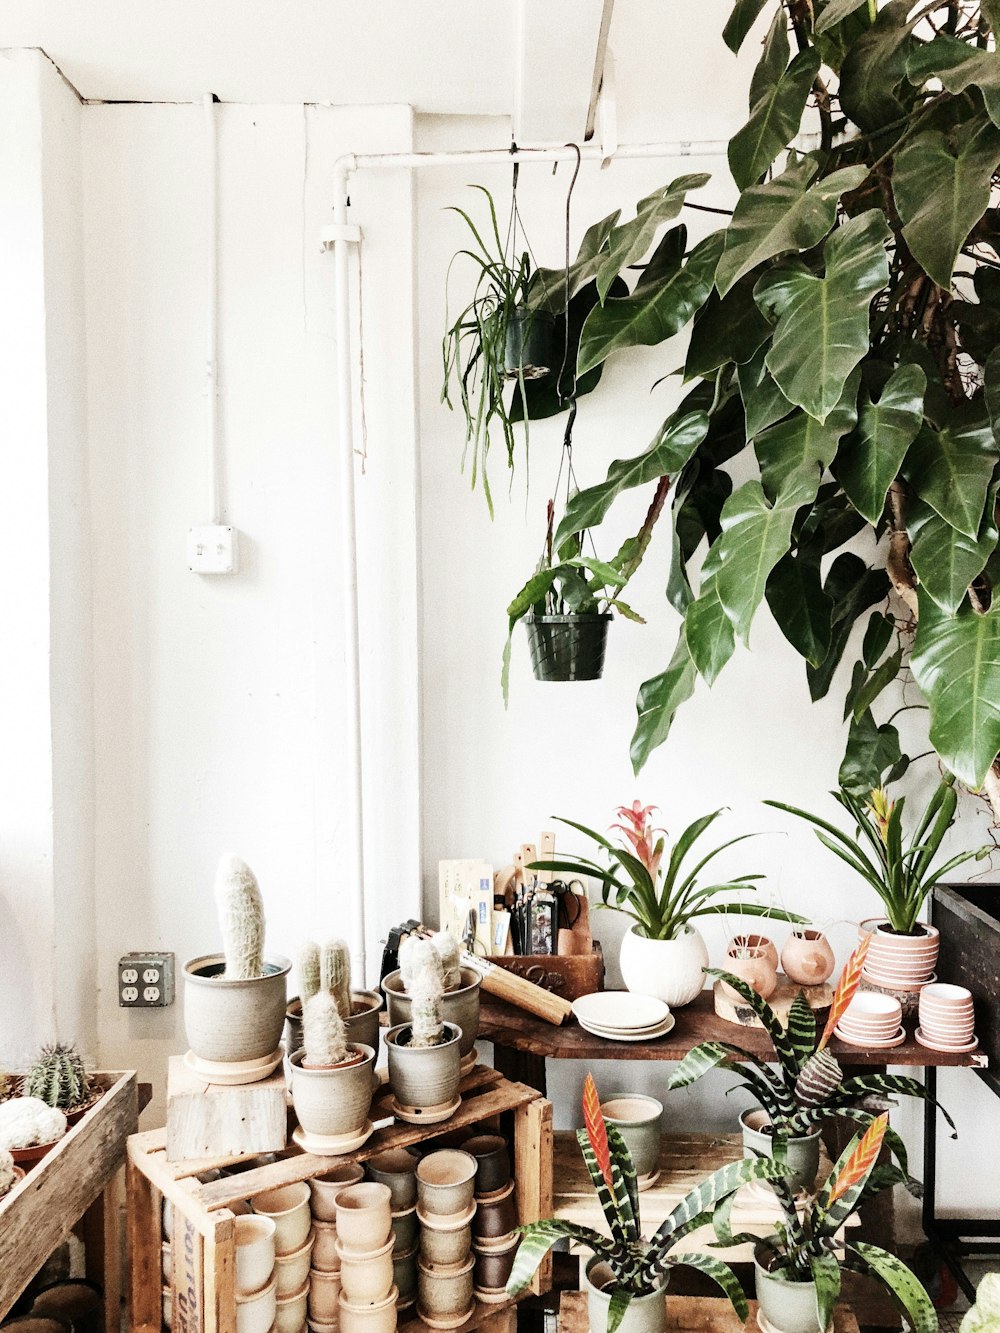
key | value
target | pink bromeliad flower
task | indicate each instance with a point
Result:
(642, 835)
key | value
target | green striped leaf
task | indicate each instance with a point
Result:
(903, 1284)
(801, 1028)
(856, 1088)
(721, 1274)
(780, 1039)
(826, 1275)
(623, 1169)
(773, 1096)
(537, 1239)
(621, 1224)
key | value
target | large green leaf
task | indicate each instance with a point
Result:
(654, 312)
(802, 610)
(628, 242)
(852, 587)
(871, 456)
(709, 631)
(740, 21)
(979, 321)
(726, 329)
(801, 447)
(833, 12)
(874, 70)
(548, 285)
(659, 699)
(941, 184)
(945, 560)
(872, 751)
(956, 663)
(763, 401)
(822, 328)
(903, 1283)
(774, 120)
(826, 1274)
(539, 1237)
(721, 1274)
(951, 469)
(773, 58)
(675, 442)
(788, 213)
(755, 535)
(959, 66)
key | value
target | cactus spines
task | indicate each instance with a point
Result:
(58, 1078)
(324, 1036)
(7, 1176)
(308, 970)
(25, 1121)
(415, 953)
(451, 958)
(335, 972)
(426, 1022)
(241, 916)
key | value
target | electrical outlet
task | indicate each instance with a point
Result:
(213, 548)
(146, 980)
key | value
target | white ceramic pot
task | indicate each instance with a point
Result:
(366, 1278)
(254, 1253)
(377, 1318)
(255, 1313)
(326, 1187)
(288, 1207)
(291, 1271)
(290, 1311)
(324, 1297)
(801, 1154)
(364, 1218)
(671, 970)
(789, 1307)
(645, 1314)
(333, 1101)
(233, 1021)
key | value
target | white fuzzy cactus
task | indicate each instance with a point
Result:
(335, 968)
(426, 1019)
(308, 970)
(451, 958)
(241, 917)
(415, 953)
(27, 1121)
(324, 1036)
(7, 1176)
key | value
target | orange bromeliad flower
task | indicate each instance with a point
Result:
(642, 835)
(862, 1158)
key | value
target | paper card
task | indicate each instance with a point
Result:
(458, 895)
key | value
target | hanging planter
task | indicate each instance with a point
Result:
(568, 647)
(528, 352)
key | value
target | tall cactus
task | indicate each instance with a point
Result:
(451, 958)
(426, 1019)
(57, 1078)
(335, 966)
(241, 917)
(308, 970)
(415, 952)
(324, 1035)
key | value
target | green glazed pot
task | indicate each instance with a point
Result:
(645, 1314)
(567, 647)
(802, 1155)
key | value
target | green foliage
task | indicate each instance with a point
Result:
(58, 1077)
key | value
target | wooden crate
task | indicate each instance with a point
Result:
(213, 1119)
(699, 1314)
(203, 1285)
(75, 1180)
(569, 977)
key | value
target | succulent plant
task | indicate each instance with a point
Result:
(7, 1176)
(241, 917)
(451, 958)
(324, 1033)
(426, 992)
(414, 952)
(308, 970)
(27, 1121)
(58, 1077)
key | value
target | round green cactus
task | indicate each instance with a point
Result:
(58, 1078)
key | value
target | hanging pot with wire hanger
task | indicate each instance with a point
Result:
(528, 351)
(568, 647)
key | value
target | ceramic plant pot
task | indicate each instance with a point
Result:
(789, 1307)
(445, 1246)
(645, 1314)
(444, 1299)
(404, 1269)
(291, 1271)
(637, 1119)
(569, 647)
(807, 957)
(325, 1188)
(379, 1317)
(366, 1279)
(333, 1102)
(405, 1229)
(397, 1169)
(254, 1253)
(802, 1155)
(492, 1268)
(324, 1253)
(362, 1027)
(424, 1077)
(324, 1296)
(670, 970)
(290, 1311)
(904, 962)
(231, 1022)
(496, 1216)
(528, 344)
(288, 1208)
(492, 1162)
(445, 1183)
(364, 1218)
(459, 1006)
(256, 1312)
(755, 968)
(758, 942)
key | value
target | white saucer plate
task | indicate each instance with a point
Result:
(610, 1034)
(952, 1050)
(622, 1011)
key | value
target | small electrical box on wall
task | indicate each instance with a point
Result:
(213, 548)
(145, 980)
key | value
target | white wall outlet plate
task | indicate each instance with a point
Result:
(145, 980)
(213, 548)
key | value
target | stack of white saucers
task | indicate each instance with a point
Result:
(623, 1016)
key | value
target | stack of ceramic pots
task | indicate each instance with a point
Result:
(287, 1208)
(872, 1020)
(495, 1240)
(324, 1274)
(947, 1019)
(364, 1286)
(396, 1169)
(445, 1210)
(459, 1007)
(898, 964)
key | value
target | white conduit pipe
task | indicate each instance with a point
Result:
(341, 237)
(212, 335)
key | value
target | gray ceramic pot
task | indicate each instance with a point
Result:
(424, 1076)
(445, 1297)
(492, 1161)
(404, 1269)
(396, 1168)
(362, 1027)
(444, 1247)
(336, 1100)
(637, 1119)
(790, 1307)
(445, 1182)
(460, 1006)
(233, 1021)
(405, 1230)
(802, 1155)
(645, 1314)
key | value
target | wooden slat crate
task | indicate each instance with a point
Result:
(75, 1180)
(691, 1314)
(203, 1286)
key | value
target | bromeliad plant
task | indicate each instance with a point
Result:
(807, 1085)
(661, 896)
(639, 1266)
(804, 1248)
(901, 873)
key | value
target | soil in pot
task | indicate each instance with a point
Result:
(569, 647)
(802, 1154)
(645, 1314)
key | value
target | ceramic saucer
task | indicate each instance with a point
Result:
(622, 1011)
(433, 1115)
(452, 1321)
(613, 1034)
(897, 1040)
(446, 1221)
(951, 1050)
(232, 1074)
(332, 1145)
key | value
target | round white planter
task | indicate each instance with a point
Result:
(669, 969)
(789, 1307)
(645, 1314)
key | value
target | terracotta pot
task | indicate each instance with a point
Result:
(366, 1278)
(637, 1119)
(422, 1077)
(492, 1268)
(445, 1246)
(445, 1182)
(325, 1188)
(671, 970)
(459, 1006)
(291, 1271)
(333, 1102)
(445, 1297)
(492, 1161)
(324, 1296)
(376, 1318)
(802, 1155)
(288, 1207)
(755, 969)
(790, 1307)
(364, 1218)
(233, 1021)
(645, 1314)
(254, 1252)
(290, 1311)
(256, 1312)
(807, 957)
(757, 942)
(903, 961)
(496, 1216)
(405, 1229)
(397, 1169)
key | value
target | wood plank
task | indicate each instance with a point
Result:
(39, 1214)
(700, 1314)
(102, 1252)
(495, 1318)
(187, 1277)
(220, 1276)
(206, 1119)
(142, 1248)
(533, 1160)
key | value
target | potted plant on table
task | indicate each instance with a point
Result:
(58, 1078)
(460, 989)
(798, 1271)
(358, 1008)
(663, 954)
(425, 1066)
(626, 1278)
(806, 1087)
(901, 870)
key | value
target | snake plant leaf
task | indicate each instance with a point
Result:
(873, 86)
(730, 328)
(789, 213)
(658, 700)
(709, 631)
(773, 58)
(951, 469)
(654, 312)
(621, 1299)
(941, 184)
(801, 447)
(956, 664)
(548, 285)
(871, 456)
(902, 1282)
(852, 587)
(822, 322)
(774, 120)
(871, 752)
(802, 1028)
(945, 560)
(833, 12)
(763, 401)
(825, 1270)
(674, 444)
(628, 242)
(958, 66)
(802, 610)
(740, 21)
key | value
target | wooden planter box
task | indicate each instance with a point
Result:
(568, 977)
(203, 1249)
(75, 1180)
(968, 917)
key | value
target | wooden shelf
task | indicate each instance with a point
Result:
(699, 1314)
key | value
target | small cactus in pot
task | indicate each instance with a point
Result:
(460, 987)
(29, 1127)
(58, 1078)
(324, 1030)
(424, 1054)
(358, 1008)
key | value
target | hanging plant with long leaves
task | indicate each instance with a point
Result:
(845, 336)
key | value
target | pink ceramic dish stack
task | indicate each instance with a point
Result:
(899, 962)
(947, 1018)
(872, 1020)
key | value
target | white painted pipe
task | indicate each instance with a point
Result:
(212, 333)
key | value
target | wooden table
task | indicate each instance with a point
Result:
(699, 1314)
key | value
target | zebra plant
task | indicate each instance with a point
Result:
(804, 1248)
(806, 1086)
(639, 1266)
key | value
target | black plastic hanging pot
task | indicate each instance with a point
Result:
(528, 348)
(568, 647)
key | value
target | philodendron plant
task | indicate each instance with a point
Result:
(639, 1267)
(845, 349)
